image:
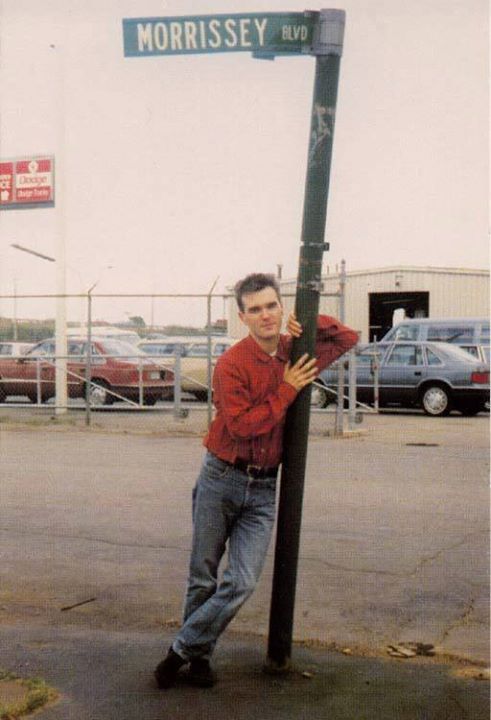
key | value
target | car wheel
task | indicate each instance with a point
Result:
(319, 397)
(436, 400)
(99, 393)
(471, 409)
(151, 400)
(3, 394)
(201, 395)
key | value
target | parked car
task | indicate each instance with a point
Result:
(194, 359)
(14, 349)
(105, 332)
(471, 334)
(436, 376)
(116, 368)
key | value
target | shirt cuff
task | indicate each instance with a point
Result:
(287, 392)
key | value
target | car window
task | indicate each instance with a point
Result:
(6, 349)
(43, 349)
(432, 358)
(166, 349)
(406, 332)
(198, 350)
(365, 357)
(220, 348)
(471, 349)
(484, 339)
(76, 348)
(450, 333)
(118, 348)
(405, 355)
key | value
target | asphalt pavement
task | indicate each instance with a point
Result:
(95, 532)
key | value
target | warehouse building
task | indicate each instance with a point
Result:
(374, 299)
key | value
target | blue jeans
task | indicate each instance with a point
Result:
(227, 505)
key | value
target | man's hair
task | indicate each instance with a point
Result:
(254, 283)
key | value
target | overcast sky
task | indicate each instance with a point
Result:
(181, 169)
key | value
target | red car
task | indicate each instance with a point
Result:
(118, 371)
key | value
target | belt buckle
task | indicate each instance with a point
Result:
(250, 469)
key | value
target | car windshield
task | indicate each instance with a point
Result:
(118, 348)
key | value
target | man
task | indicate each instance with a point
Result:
(234, 498)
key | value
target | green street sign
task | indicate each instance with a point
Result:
(268, 33)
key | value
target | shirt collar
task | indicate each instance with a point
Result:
(282, 352)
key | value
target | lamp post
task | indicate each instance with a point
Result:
(61, 395)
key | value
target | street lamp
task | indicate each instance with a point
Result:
(61, 395)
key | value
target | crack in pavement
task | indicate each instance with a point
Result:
(410, 573)
(461, 620)
(444, 550)
(86, 538)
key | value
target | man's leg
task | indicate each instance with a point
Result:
(248, 543)
(211, 521)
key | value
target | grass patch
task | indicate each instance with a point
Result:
(19, 696)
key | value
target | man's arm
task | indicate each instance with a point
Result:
(233, 397)
(333, 338)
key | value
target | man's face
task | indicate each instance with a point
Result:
(262, 314)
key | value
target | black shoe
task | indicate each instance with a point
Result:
(166, 671)
(200, 673)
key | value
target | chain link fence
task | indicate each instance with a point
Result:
(155, 368)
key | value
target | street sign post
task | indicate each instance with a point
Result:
(319, 34)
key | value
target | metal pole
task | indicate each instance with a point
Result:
(140, 381)
(376, 390)
(177, 382)
(327, 47)
(88, 358)
(16, 334)
(352, 389)
(60, 324)
(209, 368)
(339, 421)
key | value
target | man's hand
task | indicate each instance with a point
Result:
(293, 326)
(302, 373)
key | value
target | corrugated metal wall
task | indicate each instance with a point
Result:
(453, 293)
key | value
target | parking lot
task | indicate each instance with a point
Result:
(394, 540)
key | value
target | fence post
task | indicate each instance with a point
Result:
(88, 356)
(209, 366)
(38, 381)
(352, 389)
(177, 382)
(339, 421)
(376, 392)
(140, 381)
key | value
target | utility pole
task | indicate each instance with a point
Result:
(327, 47)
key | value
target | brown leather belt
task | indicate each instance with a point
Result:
(254, 471)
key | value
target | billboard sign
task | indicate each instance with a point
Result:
(27, 182)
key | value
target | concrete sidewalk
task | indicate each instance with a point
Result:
(107, 675)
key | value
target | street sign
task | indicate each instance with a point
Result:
(26, 182)
(273, 33)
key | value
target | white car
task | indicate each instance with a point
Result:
(14, 349)
(194, 359)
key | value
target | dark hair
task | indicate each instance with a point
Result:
(254, 283)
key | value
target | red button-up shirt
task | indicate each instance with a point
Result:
(251, 398)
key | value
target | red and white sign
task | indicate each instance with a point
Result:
(27, 182)
(6, 182)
